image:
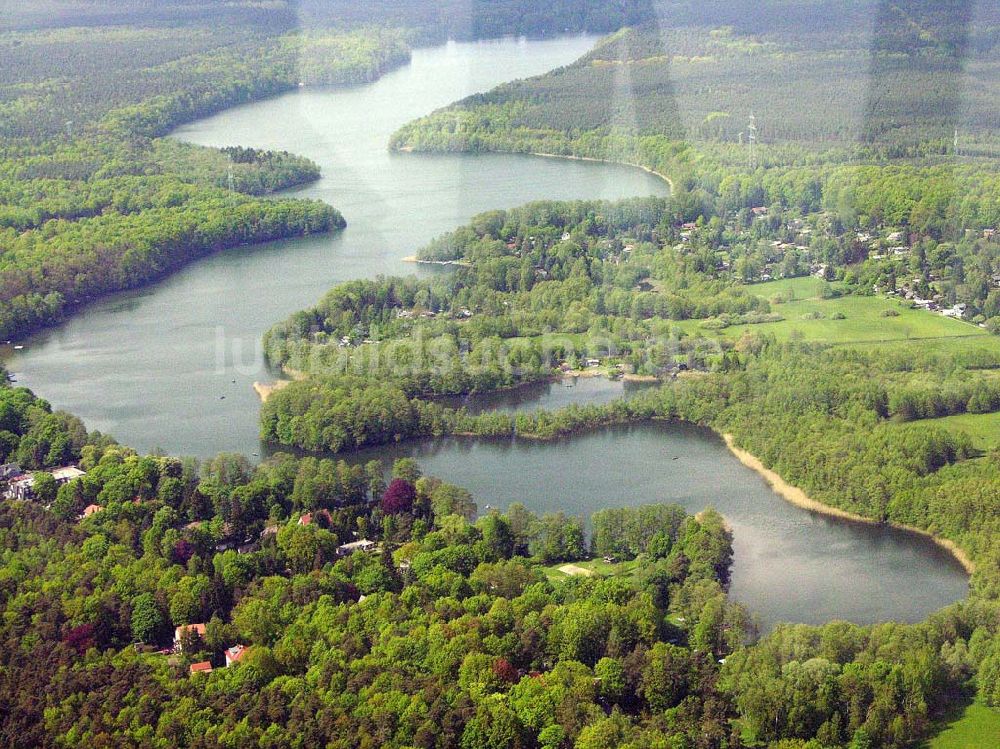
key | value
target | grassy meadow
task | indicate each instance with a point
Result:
(810, 316)
(975, 727)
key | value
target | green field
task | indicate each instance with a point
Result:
(792, 289)
(975, 727)
(594, 566)
(812, 318)
(982, 429)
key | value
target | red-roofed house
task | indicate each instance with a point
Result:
(203, 667)
(235, 654)
(90, 510)
(309, 517)
(180, 631)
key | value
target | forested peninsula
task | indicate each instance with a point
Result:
(93, 198)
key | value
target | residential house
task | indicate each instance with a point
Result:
(90, 510)
(235, 654)
(22, 485)
(309, 517)
(202, 667)
(345, 550)
(957, 312)
(187, 630)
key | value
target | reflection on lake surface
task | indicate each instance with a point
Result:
(550, 396)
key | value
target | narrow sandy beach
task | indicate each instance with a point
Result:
(646, 169)
(266, 389)
(799, 498)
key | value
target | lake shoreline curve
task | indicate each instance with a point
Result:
(596, 160)
(796, 496)
(570, 157)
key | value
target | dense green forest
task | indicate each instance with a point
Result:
(452, 632)
(679, 98)
(93, 199)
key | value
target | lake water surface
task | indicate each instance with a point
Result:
(171, 366)
(790, 564)
(156, 367)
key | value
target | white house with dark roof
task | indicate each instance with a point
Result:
(22, 486)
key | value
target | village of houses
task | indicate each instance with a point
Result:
(758, 246)
(881, 247)
(797, 235)
(190, 637)
(187, 637)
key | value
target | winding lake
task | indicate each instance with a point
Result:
(156, 367)
(171, 366)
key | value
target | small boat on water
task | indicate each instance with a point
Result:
(18, 347)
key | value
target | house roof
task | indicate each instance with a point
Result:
(91, 509)
(9, 469)
(364, 543)
(67, 473)
(236, 653)
(308, 517)
(201, 667)
(179, 631)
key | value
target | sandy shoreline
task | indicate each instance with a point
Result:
(799, 498)
(266, 389)
(646, 169)
(415, 259)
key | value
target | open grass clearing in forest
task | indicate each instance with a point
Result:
(841, 320)
(982, 429)
(575, 571)
(561, 571)
(974, 726)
